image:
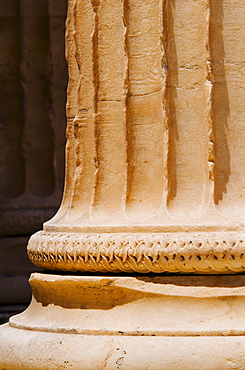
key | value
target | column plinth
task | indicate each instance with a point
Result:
(111, 322)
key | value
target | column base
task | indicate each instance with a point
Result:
(136, 323)
(192, 252)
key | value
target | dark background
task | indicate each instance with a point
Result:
(33, 80)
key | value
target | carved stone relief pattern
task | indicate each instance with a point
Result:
(155, 139)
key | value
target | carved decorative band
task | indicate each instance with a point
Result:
(186, 252)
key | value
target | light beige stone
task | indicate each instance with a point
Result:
(158, 323)
(155, 146)
(154, 182)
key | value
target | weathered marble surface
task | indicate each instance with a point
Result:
(154, 182)
(155, 140)
(118, 322)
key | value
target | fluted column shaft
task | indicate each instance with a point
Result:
(155, 144)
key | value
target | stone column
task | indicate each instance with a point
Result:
(154, 178)
(154, 183)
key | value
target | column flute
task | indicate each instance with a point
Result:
(154, 160)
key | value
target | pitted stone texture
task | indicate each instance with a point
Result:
(155, 141)
(145, 252)
(109, 322)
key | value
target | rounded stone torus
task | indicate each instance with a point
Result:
(155, 140)
(118, 322)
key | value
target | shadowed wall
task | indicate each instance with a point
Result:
(33, 79)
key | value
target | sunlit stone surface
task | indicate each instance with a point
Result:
(154, 183)
(155, 140)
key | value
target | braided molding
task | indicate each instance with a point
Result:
(186, 252)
